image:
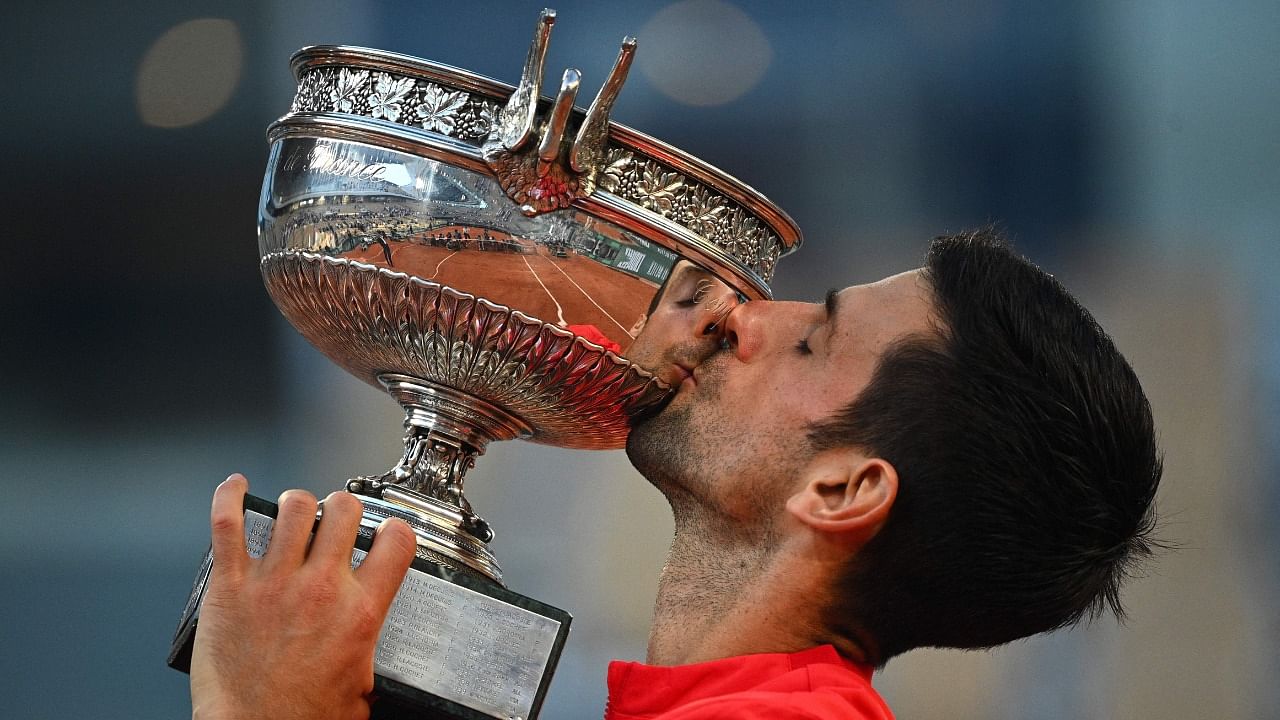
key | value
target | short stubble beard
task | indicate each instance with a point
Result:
(666, 447)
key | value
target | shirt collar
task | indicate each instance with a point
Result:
(637, 688)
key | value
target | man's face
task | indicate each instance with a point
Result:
(685, 324)
(733, 437)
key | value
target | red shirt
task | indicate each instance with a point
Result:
(816, 684)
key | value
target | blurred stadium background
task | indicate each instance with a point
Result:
(1131, 148)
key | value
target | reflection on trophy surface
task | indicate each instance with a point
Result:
(682, 322)
(505, 266)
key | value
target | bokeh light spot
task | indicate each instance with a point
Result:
(703, 52)
(189, 73)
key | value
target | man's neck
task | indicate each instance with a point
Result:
(722, 595)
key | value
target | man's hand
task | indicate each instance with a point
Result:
(292, 635)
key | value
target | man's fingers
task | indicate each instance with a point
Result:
(226, 523)
(292, 529)
(383, 570)
(336, 537)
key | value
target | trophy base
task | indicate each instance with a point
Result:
(453, 646)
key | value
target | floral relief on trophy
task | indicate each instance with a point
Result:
(439, 109)
(398, 99)
(346, 93)
(312, 87)
(699, 210)
(622, 174)
(387, 99)
(659, 189)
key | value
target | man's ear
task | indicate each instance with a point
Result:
(845, 493)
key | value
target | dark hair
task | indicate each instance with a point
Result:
(1026, 457)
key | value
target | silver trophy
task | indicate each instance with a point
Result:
(506, 266)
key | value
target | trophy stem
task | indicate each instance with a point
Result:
(445, 430)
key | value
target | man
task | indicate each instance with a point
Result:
(955, 456)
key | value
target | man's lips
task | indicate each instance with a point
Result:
(680, 373)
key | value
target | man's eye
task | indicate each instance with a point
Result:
(803, 347)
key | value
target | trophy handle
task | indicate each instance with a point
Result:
(445, 431)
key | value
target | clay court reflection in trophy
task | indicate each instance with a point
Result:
(505, 266)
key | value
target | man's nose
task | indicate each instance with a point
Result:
(742, 329)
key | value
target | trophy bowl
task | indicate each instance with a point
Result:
(505, 265)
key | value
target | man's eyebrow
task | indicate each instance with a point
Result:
(833, 304)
